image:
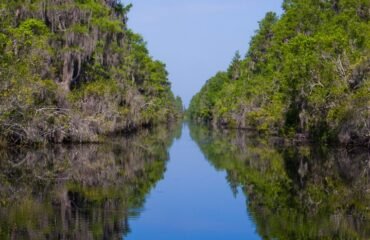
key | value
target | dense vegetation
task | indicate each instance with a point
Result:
(71, 70)
(304, 192)
(307, 74)
(81, 191)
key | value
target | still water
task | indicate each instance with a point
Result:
(185, 182)
(193, 201)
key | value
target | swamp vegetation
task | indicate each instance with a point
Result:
(72, 71)
(306, 74)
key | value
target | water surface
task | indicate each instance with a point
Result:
(193, 201)
(185, 182)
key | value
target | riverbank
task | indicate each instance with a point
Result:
(78, 76)
(306, 74)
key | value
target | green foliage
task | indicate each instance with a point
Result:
(121, 9)
(82, 76)
(300, 75)
(107, 25)
(202, 105)
(79, 28)
(31, 27)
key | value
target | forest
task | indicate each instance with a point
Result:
(306, 76)
(72, 71)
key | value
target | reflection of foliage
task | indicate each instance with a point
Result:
(80, 192)
(304, 192)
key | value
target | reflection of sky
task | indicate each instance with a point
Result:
(193, 201)
(197, 38)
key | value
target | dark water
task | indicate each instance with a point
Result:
(185, 182)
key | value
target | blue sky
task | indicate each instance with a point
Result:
(197, 38)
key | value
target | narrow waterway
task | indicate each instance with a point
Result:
(193, 201)
(185, 182)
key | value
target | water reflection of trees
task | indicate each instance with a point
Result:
(80, 192)
(303, 192)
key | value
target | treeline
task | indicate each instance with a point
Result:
(306, 74)
(72, 71)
